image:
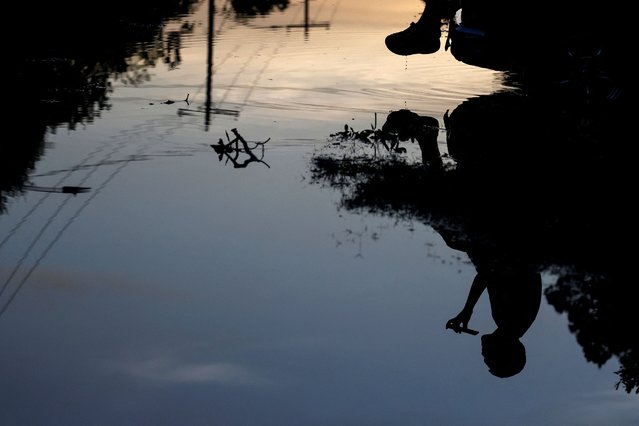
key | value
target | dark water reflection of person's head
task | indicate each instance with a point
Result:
(514, 302)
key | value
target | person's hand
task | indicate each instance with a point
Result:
(460, 321)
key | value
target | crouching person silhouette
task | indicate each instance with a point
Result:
(492, 234)
(515, 297)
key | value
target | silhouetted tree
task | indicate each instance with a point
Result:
(60, 74)
(601, 311)
(255, 7)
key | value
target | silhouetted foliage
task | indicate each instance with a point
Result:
(61, 73)
(249, 8)
(237, 148)
(601, 312)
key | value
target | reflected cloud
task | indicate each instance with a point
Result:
(173, 371)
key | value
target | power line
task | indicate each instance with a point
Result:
(60, 232)
(42, 199)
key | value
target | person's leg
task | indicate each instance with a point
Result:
(423, 36)
(407, 125)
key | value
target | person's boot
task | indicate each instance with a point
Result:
(416, 39)
(421, 37)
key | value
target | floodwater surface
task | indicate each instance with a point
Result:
(187, 285)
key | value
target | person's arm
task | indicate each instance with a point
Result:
(460, 322)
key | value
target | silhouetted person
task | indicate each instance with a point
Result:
(504, 35)
(528, 189)
(407, 125)
(499, 21)
(513, 286)
(514, 297)
(487, 33)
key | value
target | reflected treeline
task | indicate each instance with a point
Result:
(530, 184)
(602, 314)
(62, 60)
(246, 9)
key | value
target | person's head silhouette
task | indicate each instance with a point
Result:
(504, 354)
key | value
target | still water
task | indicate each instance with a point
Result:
(177, 289)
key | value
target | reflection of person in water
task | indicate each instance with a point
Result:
(513, 285)
(514, 297)
(525, 188)
(407, 125)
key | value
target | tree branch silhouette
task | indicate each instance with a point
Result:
(239, 146)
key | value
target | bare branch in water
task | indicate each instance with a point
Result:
(239, 146)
